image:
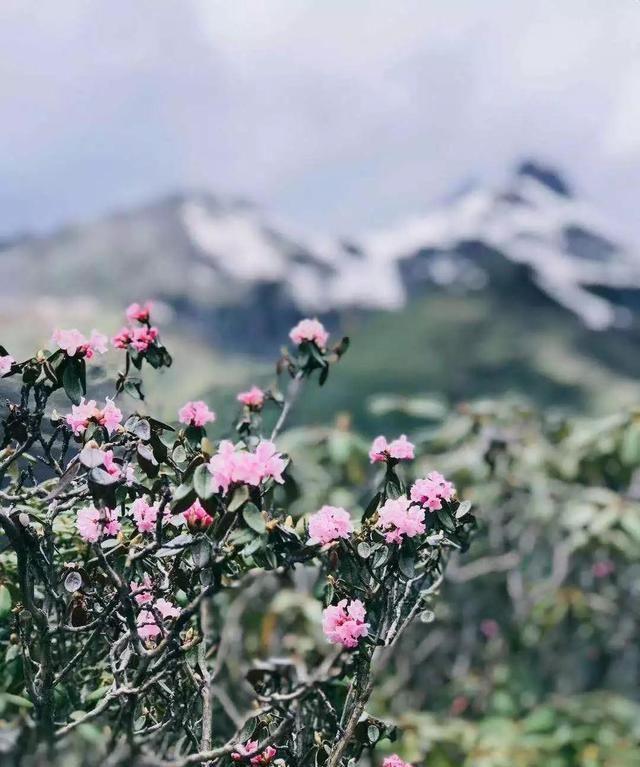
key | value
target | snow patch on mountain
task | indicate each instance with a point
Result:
(235, 242)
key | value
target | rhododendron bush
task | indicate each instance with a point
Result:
(531, 654)
(131, 547)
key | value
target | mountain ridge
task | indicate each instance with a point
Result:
(225, 267)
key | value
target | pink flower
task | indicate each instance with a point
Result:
(147, 623)
(142, 338)
(240, 467)
(166, 609)
(6, 363)
(399, 449)
(139, 313)
(603, 568)
(266, 757)
(271, 463)
(73, 342)
(139, 339)
(196, 414)
(142, 592)
(398, 518)
(328, 524)
(144, 515)
(432, 490)
(113, 468)
(92, 523)
(394, 761)
(98, 342)
(254, 398)
(344, 624)
(242, 752)
(248, 751)
(122, 338)
(489, 628)
(81, 415)
(197, 517)
(223, 465)
(309, 330)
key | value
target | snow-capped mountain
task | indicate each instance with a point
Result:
(574, 254)
(234, 273)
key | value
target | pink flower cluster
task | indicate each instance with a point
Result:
(138, 338)
(432, 490)
(73, 342)
(309, 330)
(399, 449)
(6, 363)
(328, 524)
(81, 415)
(196, 414)
(249, 751)
(394, 761)
(344, 623)
(145, 515)
(197, 517)
(139, 312)
(239, 467)
(92, 523)
(397, 518)
(253, 398)
(147, 621)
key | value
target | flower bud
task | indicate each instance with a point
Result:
(197, 517)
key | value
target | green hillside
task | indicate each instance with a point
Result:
(458, 347)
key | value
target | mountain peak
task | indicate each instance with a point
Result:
(546, 175)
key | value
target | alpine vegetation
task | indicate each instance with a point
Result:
(130, 547)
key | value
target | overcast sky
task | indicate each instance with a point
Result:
(336, 114)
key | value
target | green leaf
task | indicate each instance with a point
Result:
(256, 543)
(380, 558)
(184, 496)
(102, 477)
(253, 517)
(240, 495)
(97, 694)
(91, 457)
(203, 482)
(5, 601)
(147, 460)
(248, 729)
(16, 700)
(364, 550)
(463, 508)
(179, 454)
(407, 564)
(73, 581)
(142, 430)
(446, 520)
(194, 435)
(201, 553)
(371, 507)
(373, 733)
(71, 381)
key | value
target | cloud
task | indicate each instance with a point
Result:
(336, 114)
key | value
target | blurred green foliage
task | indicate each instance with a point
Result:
(533, 656)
